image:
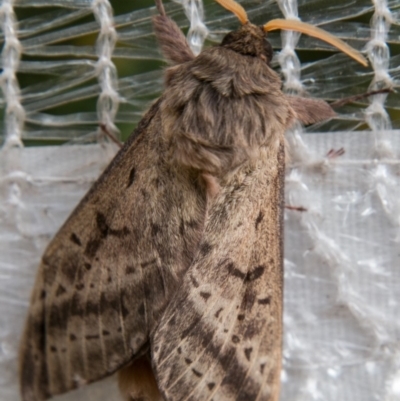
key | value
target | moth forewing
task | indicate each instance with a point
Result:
(220, 338)
(108, 274)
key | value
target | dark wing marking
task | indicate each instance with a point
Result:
(220, 337)
(110, 271)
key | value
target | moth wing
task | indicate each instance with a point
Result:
(310, 111)
(106, 277)
(220, 337)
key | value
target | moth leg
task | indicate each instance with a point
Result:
(137, 381)
(211, 184)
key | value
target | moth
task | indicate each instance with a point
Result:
(170, 268)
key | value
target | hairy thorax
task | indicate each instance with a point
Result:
(221, 109)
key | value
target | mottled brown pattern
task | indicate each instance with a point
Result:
(253, 329)
(175, 254)
(127, 264)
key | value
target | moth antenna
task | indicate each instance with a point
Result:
(351, 99)
(319, 33)
(236, 9)
(160, 7)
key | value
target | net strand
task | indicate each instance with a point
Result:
(10, 57)
(287, 58)
(108, 100)
(198, 31)
(379, 56)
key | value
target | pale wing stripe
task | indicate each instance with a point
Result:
(228, 336)
(144, 298)
(161, 271)
(172, 353)
(68, 372)
(82, 343)
(100, 325)
(121, 319)
(204, 349)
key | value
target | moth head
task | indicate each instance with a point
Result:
(251, 40)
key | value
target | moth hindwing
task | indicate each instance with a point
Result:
(172, 263)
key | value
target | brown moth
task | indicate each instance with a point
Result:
(170, 269)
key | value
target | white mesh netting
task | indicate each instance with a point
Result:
(342, 255)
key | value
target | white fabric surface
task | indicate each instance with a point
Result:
(342, 261)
